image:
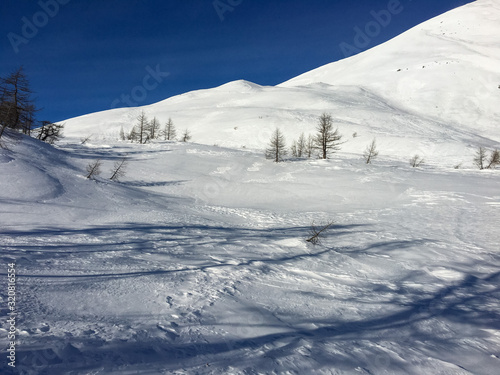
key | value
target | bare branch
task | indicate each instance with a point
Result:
(315, 233)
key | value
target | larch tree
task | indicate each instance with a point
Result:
(494, 159)
(301, 145)
(140, 131)
(277, 147)
(50, 132)
(169, 132)
(17, 108)
(154, 128)
(370, 152)
(309, 146)
(480, 158)
(327, 140)
(118, 170)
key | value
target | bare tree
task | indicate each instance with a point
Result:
(122, 134)
(293, 149)
(277, 147)
(132, 136)
(309, 148)
(416, 161)
(17, 108)
(370, 152)
(154, 128)
(301, 145)
(480, 158)
(84, 140)
(50, 132)
(94, 169)
(186, 136)
(169, 132)
(327, 140)
(118, 170)
(494, 159)
(140, 131)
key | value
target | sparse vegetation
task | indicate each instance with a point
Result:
(122, 134)
(480, 158)
(186, 136)
(416, 161)
(482, 161)
(494, 159)
(84, 140)
(315, 233)
(154, 128)
(140, 131)
(277, 148)
(94, 169)
(370, 152)
(169, 133)
(17, 109)
(327, 140)
(118, 170)
(50, 132)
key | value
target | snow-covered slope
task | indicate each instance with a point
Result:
(196, 263)
(434, 91)
(447, 68)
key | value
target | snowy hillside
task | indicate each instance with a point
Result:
(196, 261)
(433, 91)
(447, 69)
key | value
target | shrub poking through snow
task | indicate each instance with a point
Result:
(315, 233)
(416, 161)
(50, 132)
(186, 136)
(84, 140)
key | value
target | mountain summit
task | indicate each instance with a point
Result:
(447, 68)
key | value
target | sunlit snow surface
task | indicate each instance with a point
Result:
(196, 261)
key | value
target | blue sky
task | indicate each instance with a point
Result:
(83, 56)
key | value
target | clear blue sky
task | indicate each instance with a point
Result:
(83, 56)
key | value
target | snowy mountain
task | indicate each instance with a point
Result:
(446, 69)
(433, 90)
(196, 261)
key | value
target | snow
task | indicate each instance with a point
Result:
(196, 262)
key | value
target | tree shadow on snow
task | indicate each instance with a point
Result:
(461, 303)
(327, 342)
